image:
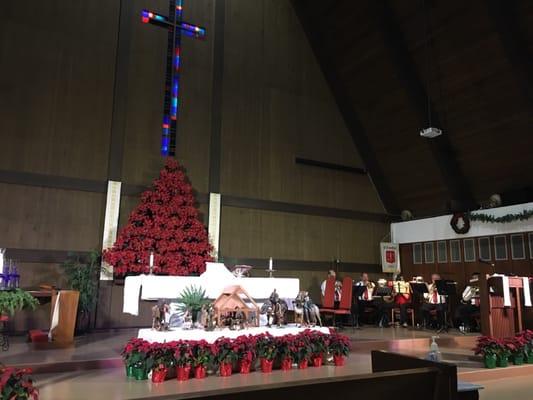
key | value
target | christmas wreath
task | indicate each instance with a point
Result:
(461, 230)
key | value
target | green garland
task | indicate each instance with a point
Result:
(524, 215)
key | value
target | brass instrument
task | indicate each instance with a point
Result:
(402, 288)
(470, 293)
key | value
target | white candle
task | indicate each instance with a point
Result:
(270, 263)
(151, 259)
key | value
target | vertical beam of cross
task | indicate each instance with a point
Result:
(176, 27)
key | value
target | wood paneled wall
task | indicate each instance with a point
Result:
(462, 270)
(56, 113)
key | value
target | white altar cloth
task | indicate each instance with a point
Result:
(198, 334)
(213, 280)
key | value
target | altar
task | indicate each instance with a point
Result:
(213, 281)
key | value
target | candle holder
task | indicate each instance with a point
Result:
(270, 272)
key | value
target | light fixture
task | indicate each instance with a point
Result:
(431, 131)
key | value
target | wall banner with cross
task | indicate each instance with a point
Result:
(176, 27)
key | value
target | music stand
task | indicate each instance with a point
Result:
(357, 291)
(448, 289)
(383, 291)
(418, 289)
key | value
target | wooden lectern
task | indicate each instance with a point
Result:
(68, 311)
(496, 319)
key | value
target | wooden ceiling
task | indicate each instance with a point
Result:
(474, 59)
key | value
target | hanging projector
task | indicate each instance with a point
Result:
(430, 132)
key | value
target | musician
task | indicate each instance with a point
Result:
(469, 302)
(338, 286)
(433, 301)
(401, 290)
(365, 299)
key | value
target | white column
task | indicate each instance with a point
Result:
(112, 209)
(214, 222)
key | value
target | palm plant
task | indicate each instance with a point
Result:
(192, 298)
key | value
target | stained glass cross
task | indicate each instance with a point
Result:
(176, 27)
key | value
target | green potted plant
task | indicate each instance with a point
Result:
(225, 354)
(244, 347)
(183, 359)
(527, 337)
(518, 347)
(201, 357)
(15, 300)
(285, 349)
(82, 273)
(339, 347)
(17, 384)
(191, 299)
(302, 349)
(136, 356)
(319, 346)
(162, 359)
(266, 351)
(504, 352)
(489, 348)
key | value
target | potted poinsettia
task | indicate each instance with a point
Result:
(183, 359)
(244, 346)
(527, 337)
(319, 346)
(162, 359)
(302, 349)
(17, 384)
(285, 349)
(489, 348)
(201, 357)
(517, 346)
(505, 349)
(266, 351)
(225, 354)
(136, 356)
(339, 347)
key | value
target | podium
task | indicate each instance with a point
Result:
(497, 320)
(67, 312)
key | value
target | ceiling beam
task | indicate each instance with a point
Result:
(441, 148)
(504, 17)
(357, 131)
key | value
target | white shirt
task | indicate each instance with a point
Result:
(368, 291)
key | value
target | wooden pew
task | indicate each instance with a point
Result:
(446, 387)
(411, 383)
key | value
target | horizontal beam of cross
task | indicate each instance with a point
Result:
(149, 17)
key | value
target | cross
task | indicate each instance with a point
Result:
(176, 27)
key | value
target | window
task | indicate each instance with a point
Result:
(500, 248)
(484, 249)
(442, 255)
(470, 250)
(455, 251)
(429, 252)
(417, 253)
(530, 245)
(518, 251)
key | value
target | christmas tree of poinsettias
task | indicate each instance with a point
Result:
(166, 222)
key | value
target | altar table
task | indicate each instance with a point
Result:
(213, 281)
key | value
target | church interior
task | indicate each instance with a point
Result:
(251, 199)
